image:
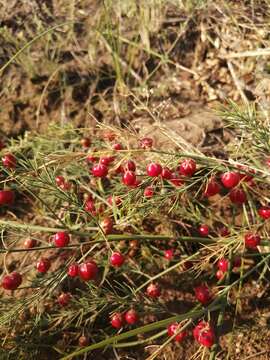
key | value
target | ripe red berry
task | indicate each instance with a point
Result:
(202, 294)
(175, 179)
(117, 320)
(230, 179)
(237, 196)
(117, 259)
(267, 162)
(166, 173)
(187, 167)
(204, 334)
(153, 169)
(212, 188)
(169, 254)
(100, 170)
(223, 264)
(73, 270)
(252, 240)
(60, 180)
(12, 281)
(91, 158)
(61, 239)
(106, 160)
(172, 329)
(264, 212)
(117, 146)
(153, 291)
(131, 317)
(129, 178)
(7, 197)
(114, 200)
(146, 143)
(203, 230)
(43, 265)
(85, 142)
(9, 161)
(63, 299)
(90, 207)
(88, 270)
(107, 225)
(148, 192)
(29, 243)
(130, 165)
(220, 274)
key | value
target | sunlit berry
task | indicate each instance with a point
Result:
(43, 265)
(131, 317)
(117, 259)
(85, 142)
(202, 294)
(230, 179)
(88, 270)
(264, 212)
(238, 196)
(173, 328)
(64, 299)
(153, 290)
(61, 239)
(187, 167)
(203, 230)
(117, 146)
(169, 254)
(117, 320)
(107, 225)
(129, 178)
(12, 281)
(9, 161)
(212, 188)
(148, 192)
(99, 170)
(73, 270)
(29, 243)
(153, 169)
(223, 264)
(146, 143)
(166, 173)
(252, 240)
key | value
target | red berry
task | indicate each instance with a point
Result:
(117, 146)
(200, 326)
(223, 264)
(264, 212)
(267, 162)
(166, 173)
(130, 165)
(12, 281)
(117, 259)
(172, 329)
(187, 167)
(66, 186)
(100, 170)
(224, 231)
(91, 158)
(9, 161)
(203, 230)
(83, 341)
(117, 320)
(237, 261)
(60, 180)
(204, 334)
(230, 179)
(131, 317)
(220, 275)
(114, 200)
(153, 169)
(64, 298)
(106, 160)
(85, 142)
(146, 143)
(88, 270)
(175, 179)
(148, 192)
(237, 196)
(43, 265)
(61, 239)
(212, 188)
(202, 294)
(7, 197)
(153, 291)
(107, 225)
(90, 207)
(252, 240)
(169, 254)
(29, 243)
(73, 270)
(129, 178)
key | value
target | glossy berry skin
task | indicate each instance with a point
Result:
(43, 265)
(148, 192)
(117, 146)
(90, 207)
(129, 178)
(230, 179)
(131, 317)
(172, 329)
(107, 225)
(117, 259)
(223, 264)
(220, 275)
(61, 239)
(91, 159)
(60, 180)
(85, 142)
(146, 143)
(238, 196)
(202, 294)
(73, 270)
(9, 161)
(169, 254)
(212, 188)
(12, 281)
(175, 180)
(106, 160)
(187, 167)
(153, 291)
(63, 299)
(130, 165)
(166, 173)
(29, 243)
(203, 230)
(117, 320)
(100, 170)
(88, 270)
(7, 197)
(252, 240)
(264, 212)
(204, 334)
(154, 169)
